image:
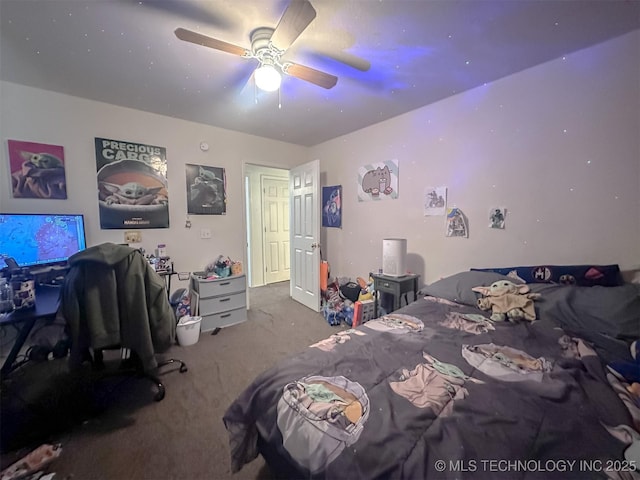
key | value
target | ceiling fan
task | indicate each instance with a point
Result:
(268, 45)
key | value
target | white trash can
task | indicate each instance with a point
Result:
(188, 330)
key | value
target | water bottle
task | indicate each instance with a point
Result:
(161, 251)
(6, 296)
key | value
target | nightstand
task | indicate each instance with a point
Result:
(396, 286)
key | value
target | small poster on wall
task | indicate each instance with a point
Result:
(497, 216)
(332, 206)
(132, 185)
(435, 201)
(37, 170)
(378, 181)
(456, 223)
(206, 190)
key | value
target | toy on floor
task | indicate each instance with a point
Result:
(366, 289)
(340, 297)
(333, 304)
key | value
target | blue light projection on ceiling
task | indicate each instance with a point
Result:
(405, 56)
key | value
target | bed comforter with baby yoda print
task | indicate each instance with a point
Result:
(435, 390)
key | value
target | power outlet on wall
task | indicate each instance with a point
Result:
(205, 233)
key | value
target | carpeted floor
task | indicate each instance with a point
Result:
(181, 437)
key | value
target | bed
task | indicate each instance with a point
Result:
(437, 390)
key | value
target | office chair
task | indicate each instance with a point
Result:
(112, 298)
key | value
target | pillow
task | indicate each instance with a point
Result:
(582, 275)
(457, 288)
(611, 311)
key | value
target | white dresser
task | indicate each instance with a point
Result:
(222, 301)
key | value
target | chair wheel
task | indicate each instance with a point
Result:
(183, 367)
(160, 395)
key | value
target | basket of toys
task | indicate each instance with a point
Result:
(221, 267)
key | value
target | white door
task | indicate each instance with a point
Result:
(305, 234)
(275, 217)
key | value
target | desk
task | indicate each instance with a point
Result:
(47, 301)
(166, 276)
(396, 286)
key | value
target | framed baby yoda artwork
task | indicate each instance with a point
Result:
(37, 170)
(378, 181)
(206, 190)
(132, 185)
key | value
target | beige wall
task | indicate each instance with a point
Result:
(40, 116)
(557, 145)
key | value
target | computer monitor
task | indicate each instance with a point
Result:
(35, 239)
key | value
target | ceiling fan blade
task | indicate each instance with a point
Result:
(311, 75)
(298, 15)
(199, 39)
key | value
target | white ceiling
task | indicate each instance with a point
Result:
(124, 52)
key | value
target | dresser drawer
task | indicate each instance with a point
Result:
(223, 319)
(218, 286)
(223, 303)
(386, 286)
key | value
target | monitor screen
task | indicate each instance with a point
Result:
(34, 239)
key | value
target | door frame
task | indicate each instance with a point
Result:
(253, 171)
(263, 177)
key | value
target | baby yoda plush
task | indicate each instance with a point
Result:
(506, 299)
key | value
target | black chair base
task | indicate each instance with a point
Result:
(183, 368)
(132, 367)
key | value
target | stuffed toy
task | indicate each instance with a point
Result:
(366, 292)
(507, 300)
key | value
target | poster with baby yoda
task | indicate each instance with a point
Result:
(378, 181)
(206, 190)
(37, 170)
(132, 185)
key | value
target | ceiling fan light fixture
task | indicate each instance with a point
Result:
(267, 78)
(268, 46)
